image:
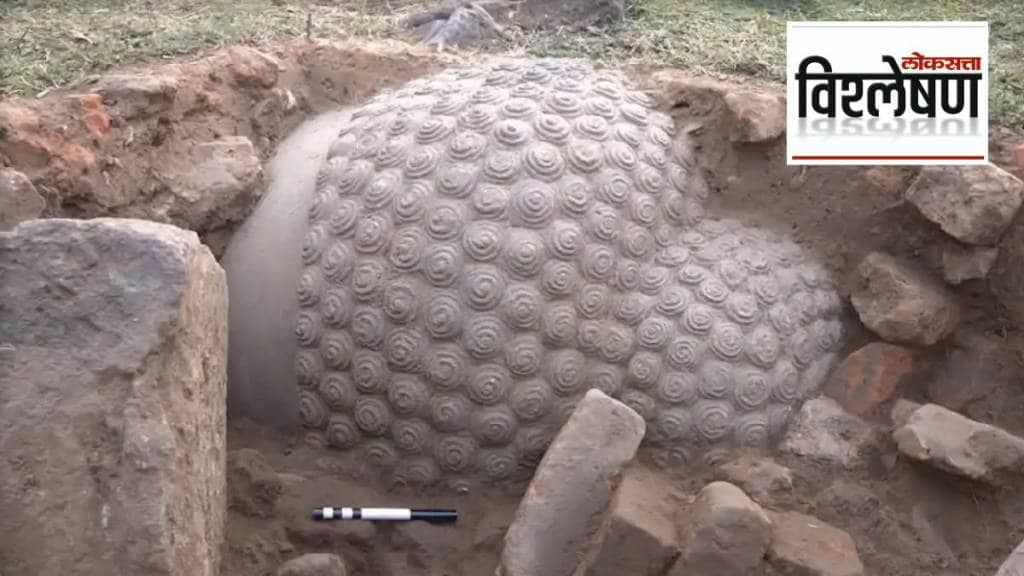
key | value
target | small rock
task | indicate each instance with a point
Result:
(138, 95)
(959, 445)
(726, 534)
(1014, 563)
(762, 479)
(961, 263)
(255, 487)
(824, 431)
(19, 200)
(220, 187)
(869, 376)
(639, 537)
(756, 116)
(808, 546)
(571, 487)
(901, 411)
(252, 68)
(313, 565)
(901, 304)
(973, 204)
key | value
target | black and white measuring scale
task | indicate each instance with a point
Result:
(436, 515)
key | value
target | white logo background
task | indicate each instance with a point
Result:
(857, 48)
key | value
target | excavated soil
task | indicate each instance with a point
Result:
(905, 518)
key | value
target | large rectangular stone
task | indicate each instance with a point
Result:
(112, 400)
(562, 510)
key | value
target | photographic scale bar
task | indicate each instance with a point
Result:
(385, 514)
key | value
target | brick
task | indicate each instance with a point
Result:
(869, 376)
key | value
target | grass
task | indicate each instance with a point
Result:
(45, 43)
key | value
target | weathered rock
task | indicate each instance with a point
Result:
(806, 546)
(901, 304)
(725, 534)
(252, 68)
(1014, 563)
(137, 95)
(639, 536)
(762, 479)
(19, 200)
(318, 564)
(455, 26)
(255, 487)
(869, 376)
(219, 188)
(756, 116)
(973, 204)
(959, 445)
(824, 431)
(961, 263)
(572, 486)
(114, 412)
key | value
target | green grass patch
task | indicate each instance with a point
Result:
(749, 36)
(46, 43)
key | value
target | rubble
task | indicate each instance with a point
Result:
(824, 431)
(571, 487)
(901, 304)
(220, 187)
(639, 537)
(114, 412)
(318, 564)
(962, 263)
(251, 68)
(973, 204)
(725, 533)
(805, 545)
(19, 200)
(255, 485)
(132, 96)
(959, 445)
(756, 116)
(764, 480)
(869, 376)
